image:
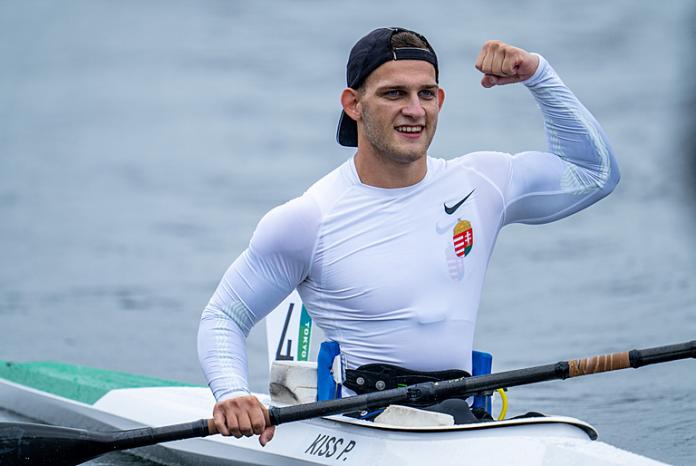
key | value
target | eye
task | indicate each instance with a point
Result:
(427, 94)
(393, 93)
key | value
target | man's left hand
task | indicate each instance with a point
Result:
(504, 64)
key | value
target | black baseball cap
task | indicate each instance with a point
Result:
(368, 54)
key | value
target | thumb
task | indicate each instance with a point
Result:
(507, 80)
(267, 435)
(489, 80)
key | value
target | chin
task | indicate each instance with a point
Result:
(411, 152)
(397, 151)
(405, 157)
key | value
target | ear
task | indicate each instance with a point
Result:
(349, 101)
(440, 97)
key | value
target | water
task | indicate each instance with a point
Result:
(140, 142)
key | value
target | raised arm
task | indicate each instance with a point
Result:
(579, 168)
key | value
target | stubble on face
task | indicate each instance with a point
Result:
(380, 116)
(380, 138)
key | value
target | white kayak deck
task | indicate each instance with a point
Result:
(550, 440)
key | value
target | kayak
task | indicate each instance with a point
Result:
(97, 399)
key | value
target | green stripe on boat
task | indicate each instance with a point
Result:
(79, 383)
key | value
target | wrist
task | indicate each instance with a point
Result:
(232, 394)
(540, 69)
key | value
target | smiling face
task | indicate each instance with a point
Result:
(396, 110)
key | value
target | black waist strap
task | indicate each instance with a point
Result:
(378, 377)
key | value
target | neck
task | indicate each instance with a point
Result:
(381, 172)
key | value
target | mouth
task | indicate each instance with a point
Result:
(410, 131)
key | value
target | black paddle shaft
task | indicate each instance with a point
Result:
(436, 391)
(38, 444)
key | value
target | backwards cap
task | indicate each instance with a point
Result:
(368, 54)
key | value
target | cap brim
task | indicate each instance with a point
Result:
(347, 134)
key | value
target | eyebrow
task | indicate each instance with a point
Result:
(402, 87)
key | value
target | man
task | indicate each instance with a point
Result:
(389, 251)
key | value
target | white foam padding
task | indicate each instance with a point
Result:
(293, 382)
(405, 416)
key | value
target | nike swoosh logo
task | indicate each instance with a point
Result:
(451, 210)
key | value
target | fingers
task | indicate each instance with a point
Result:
(220, 421)
(242, 416)
(497, 62)
(258, 422)
(497, 59)
(509, 64)
(244, 424)
(489, 80)
(489, 57)
(267, 435)
(504, 64)
(479, 60)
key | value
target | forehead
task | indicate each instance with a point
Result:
(402, 73)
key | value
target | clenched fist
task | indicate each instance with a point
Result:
(243, 415)
(504, 64)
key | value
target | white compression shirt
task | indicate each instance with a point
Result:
(395, 275)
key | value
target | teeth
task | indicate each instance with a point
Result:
(409, 129)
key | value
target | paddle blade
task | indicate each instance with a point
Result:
(39, 444)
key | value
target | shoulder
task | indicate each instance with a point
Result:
(292, 227)
(490, 168)
(485, 161)
(332, 187)
(490, 165)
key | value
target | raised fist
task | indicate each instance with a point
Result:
(504, 64)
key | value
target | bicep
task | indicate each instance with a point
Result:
(277, 260)
(544, 187)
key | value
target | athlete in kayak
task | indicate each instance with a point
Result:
(389, 251)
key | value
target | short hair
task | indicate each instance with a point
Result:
(403, 39)
(409, 39)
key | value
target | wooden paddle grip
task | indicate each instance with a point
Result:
(596, 364)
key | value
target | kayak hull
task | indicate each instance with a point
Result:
(333, 440)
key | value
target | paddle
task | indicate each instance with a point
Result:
(38, 444)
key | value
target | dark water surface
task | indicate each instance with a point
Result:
(140, 142)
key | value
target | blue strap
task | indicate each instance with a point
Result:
(327, 388)
(482, 363)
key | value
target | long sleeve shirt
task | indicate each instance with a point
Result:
(395, 275)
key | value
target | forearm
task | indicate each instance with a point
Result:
(222, 353)
(574, 135)
(247, 292)
(261, 277)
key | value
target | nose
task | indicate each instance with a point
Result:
(414, 108)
